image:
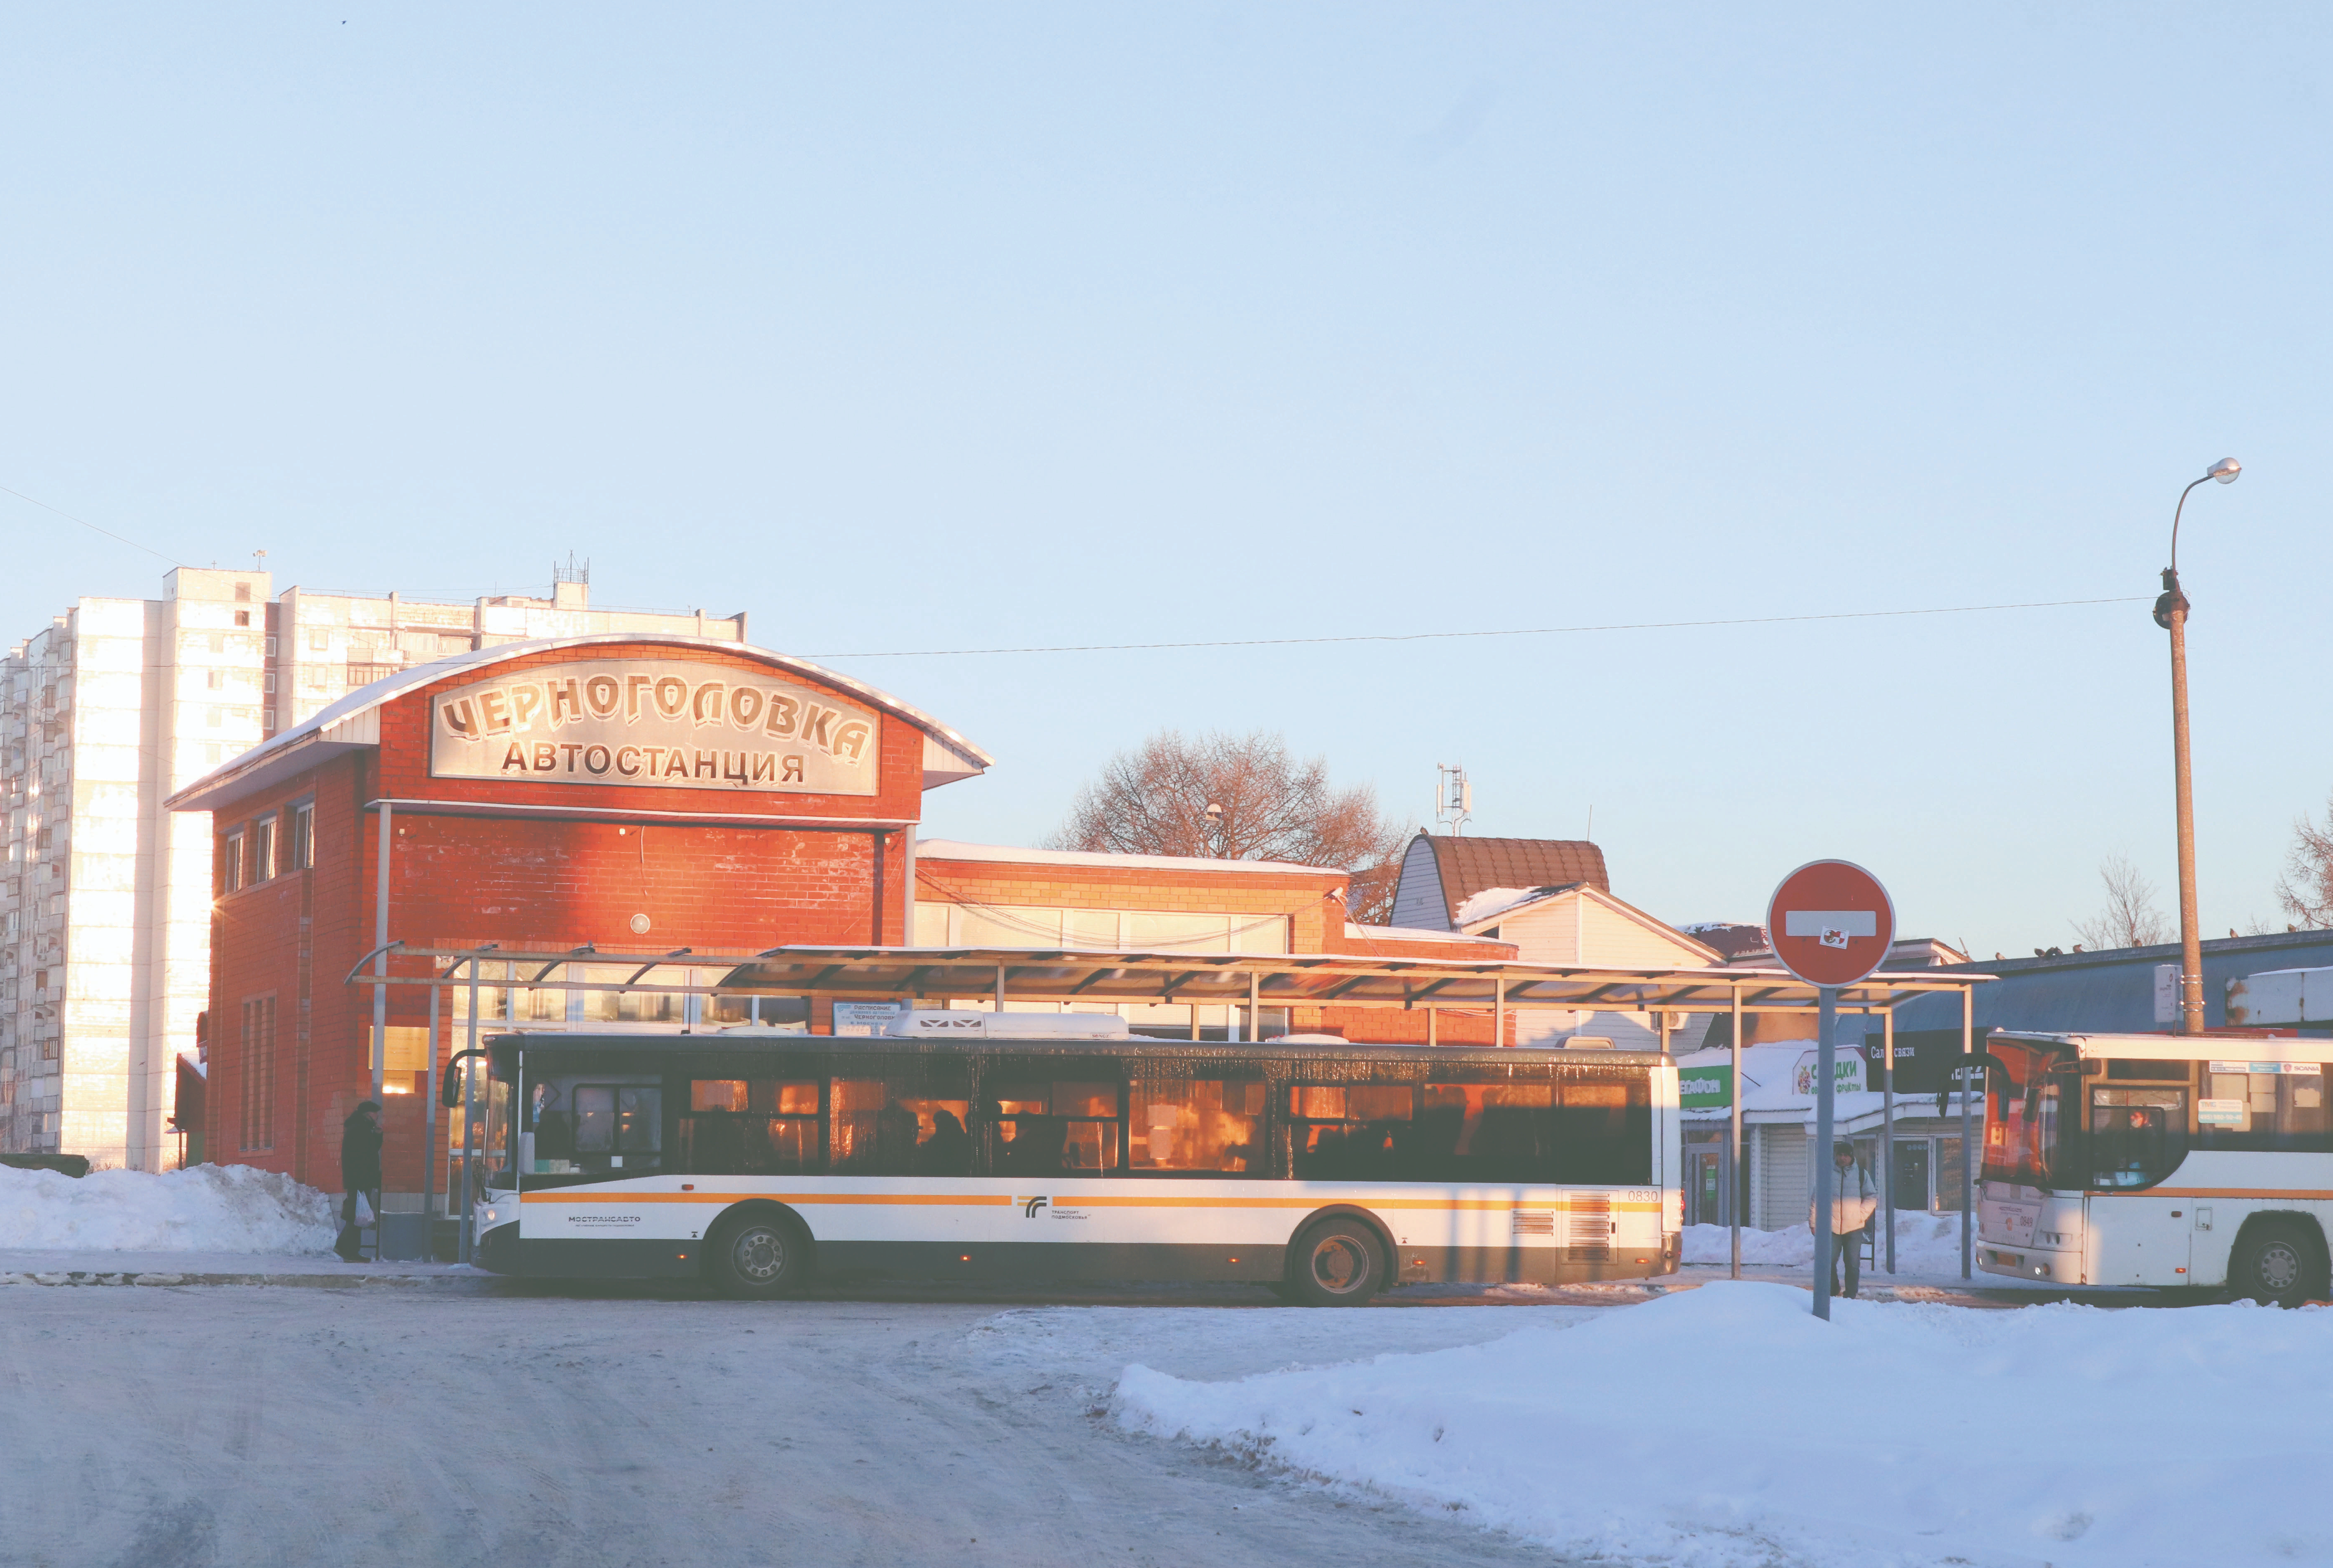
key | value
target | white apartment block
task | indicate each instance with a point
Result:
(105, 898)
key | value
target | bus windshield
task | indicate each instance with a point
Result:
(2027, 1087)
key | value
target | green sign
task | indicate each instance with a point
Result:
(1705, 1088)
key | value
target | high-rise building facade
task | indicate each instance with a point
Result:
(105, 897)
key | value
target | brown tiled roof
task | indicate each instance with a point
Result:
(1470, 866)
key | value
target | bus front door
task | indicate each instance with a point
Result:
(2136, 1238)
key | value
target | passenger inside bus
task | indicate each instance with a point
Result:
(946, 1151)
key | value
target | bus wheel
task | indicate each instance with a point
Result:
(760, 1256)
(2273, 1264)
(1336, 1263)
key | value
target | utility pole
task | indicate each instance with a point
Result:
(2171, 614)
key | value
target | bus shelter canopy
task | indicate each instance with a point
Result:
(1299, 980)
(1272, 979)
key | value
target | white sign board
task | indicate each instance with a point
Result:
(2167, 993)
(671, 725)
(867, 1017)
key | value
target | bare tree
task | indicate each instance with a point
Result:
(2130, 918)
(1271, 805)
(2306, 889)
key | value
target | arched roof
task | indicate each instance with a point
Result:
(354, 722)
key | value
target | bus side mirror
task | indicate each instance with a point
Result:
(449, 1091)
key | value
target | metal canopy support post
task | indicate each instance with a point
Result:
(470, 1125)
(1887, 1128)
(1734, 1194)
(1826, 1054)
(1498, 1012)
(1433, 1025)
(1968, 1146)
(1000, 987)
(381, 963)
(1254, 1006)
(429, 1123)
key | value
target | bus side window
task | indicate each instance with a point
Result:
(1050, 1126)
(749, 1127)
(1485, 1133)
(908, 1125)
(2137, 1136)
(1350, 1132)
(1604, 1131)
(1204, 1126)
(2286, 1109)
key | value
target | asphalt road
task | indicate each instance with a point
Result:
(166, 1428)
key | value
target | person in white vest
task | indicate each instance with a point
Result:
(1855, 1197)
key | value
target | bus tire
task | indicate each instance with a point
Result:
(760, 1254)
(1337, 1262)
(2276, 1262)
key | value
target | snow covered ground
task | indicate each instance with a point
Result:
(1925, 1244)
(211, 1209)
(1726, 1426)
(203, 1427)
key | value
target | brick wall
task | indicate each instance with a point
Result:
(1303, 896)
(1316, 924)
(542, 882)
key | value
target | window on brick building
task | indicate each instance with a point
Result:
(263, 849)
(302, 847)
(231, 862)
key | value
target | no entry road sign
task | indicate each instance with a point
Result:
(1831, 922)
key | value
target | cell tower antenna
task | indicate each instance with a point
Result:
(1453, 797)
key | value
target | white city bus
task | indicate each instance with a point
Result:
(753, 1159)
(2159, 1159)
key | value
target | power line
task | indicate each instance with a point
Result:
(84, 523)
(1503, 632)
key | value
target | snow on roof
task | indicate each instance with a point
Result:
(364, 700)
(1494, 900)
(957, 849)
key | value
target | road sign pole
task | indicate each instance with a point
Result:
(1827, 1041)
(1832, 925)
(1968, 1136)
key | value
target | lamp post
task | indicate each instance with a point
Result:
(2171, 614)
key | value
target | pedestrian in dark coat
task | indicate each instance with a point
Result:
(360, 1139)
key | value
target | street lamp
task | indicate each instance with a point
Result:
(1215, 826)
(2171, 614)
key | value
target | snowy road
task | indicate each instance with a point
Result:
(177, 1428)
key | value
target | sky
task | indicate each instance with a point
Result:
(927, 327)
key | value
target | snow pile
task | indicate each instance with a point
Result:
(1925, 1244)
(1893, 1434)
(209, 1208)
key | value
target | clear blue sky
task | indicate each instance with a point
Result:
(946, 326)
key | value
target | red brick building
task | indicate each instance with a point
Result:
(635, 792)
(991, 896)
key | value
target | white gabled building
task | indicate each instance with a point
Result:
(1552, 900)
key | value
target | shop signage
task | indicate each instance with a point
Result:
(1705, 1088)
(648, 722)
(1847, 1072)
